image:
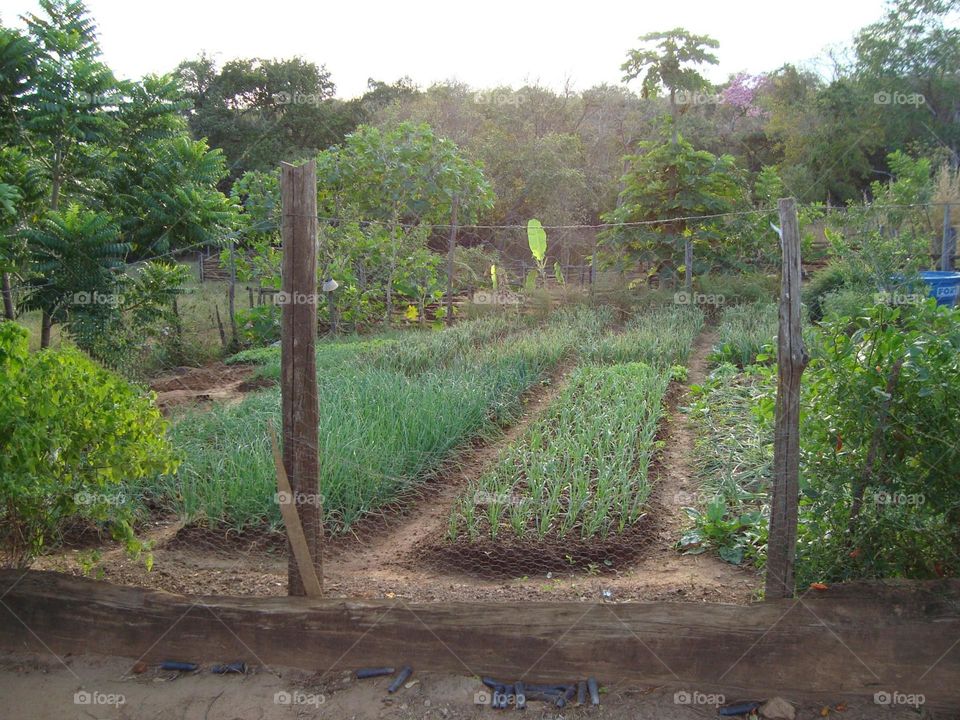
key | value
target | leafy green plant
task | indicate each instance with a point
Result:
(879, 445)
(73, 437)
(537, 240)
(260, 325)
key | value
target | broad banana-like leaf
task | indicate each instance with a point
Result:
(537, 238)
(493, 276)
(558, 273)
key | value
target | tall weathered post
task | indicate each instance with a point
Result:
(298, 190)
(791, 360)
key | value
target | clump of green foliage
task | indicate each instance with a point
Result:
(879, 450)
(73, 436)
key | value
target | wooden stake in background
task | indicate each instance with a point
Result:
(451, 248)
(791, 361)
(298, 190)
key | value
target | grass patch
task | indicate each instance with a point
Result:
(661, 337)
(745, 331)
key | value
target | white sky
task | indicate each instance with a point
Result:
(481, 42)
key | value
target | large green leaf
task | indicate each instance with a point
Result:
(537, 238)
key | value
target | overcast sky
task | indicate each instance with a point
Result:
(480, 42)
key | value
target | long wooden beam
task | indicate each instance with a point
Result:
(860, 639)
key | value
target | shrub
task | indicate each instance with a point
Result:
(828, 280)
(740, 288)
(71, 435)
(887, 437)
(259, 325)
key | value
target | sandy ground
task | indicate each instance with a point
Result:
(83, 687)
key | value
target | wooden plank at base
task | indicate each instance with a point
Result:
(859, 640)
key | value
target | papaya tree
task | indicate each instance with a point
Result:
(664, 187)
(397, 183)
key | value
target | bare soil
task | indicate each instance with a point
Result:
(385, 557)
(50, 688)
(213, 383)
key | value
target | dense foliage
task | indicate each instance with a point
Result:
(72, 438)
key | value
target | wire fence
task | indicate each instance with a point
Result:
(429, 443)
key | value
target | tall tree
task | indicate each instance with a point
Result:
(910, 63)
(261, 111)
(670, 60)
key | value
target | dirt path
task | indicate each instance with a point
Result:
(218, 382)
(663, 573)
(391, 556)
(41, 687)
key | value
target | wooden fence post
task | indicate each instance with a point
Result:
(298, 191)
(791, 361)
(450, 250)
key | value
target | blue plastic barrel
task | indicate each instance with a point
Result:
(944, 285)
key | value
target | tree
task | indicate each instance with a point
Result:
(669, 59)
(261, 111)
(399, 181)
(76, 257)
(670, 182)
(910, 64)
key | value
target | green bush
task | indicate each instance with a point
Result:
(741, 288)
(72, 435)
(893, 441)
(824, 282)
(259, 325)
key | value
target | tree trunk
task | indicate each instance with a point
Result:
(9, 311)
(688, 263)
(673, 117)
(232, 296)
(46, 322)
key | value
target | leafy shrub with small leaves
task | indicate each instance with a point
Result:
(72, 437)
